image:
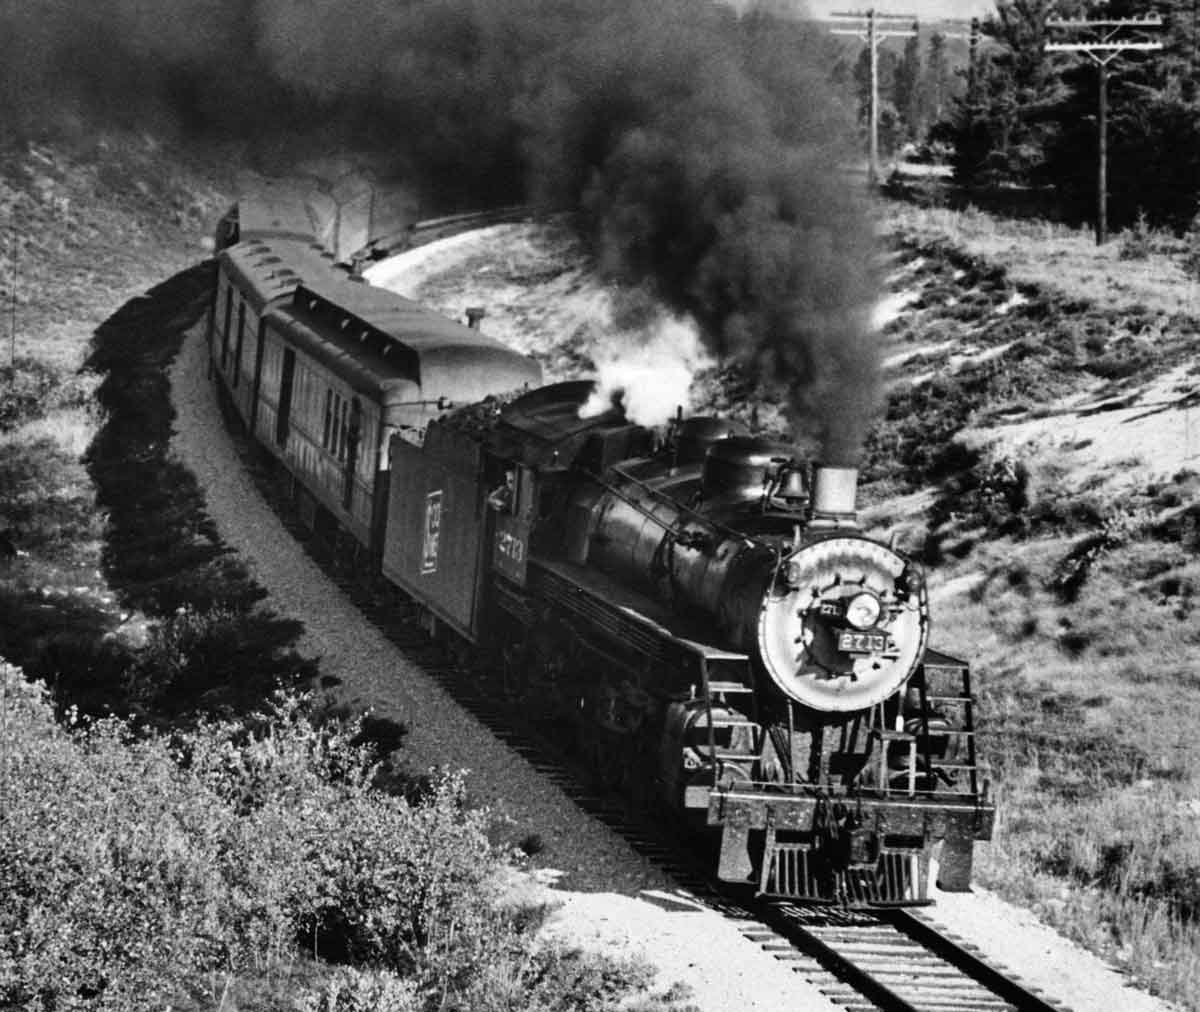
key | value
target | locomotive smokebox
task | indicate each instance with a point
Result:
(833, 498)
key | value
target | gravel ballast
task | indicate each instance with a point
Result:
(612, 897)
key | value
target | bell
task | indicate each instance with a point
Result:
(792, 486)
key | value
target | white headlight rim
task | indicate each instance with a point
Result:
(864, 610)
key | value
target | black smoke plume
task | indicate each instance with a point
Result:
(705, 152)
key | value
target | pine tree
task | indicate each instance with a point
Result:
(890, 127)
(908, 95)
(935, 82)
(1006, 119)
(1153, 128)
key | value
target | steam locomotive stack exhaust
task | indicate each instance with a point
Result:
(833, 498)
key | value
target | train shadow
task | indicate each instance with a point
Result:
(188, 635)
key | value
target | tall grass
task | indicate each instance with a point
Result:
(1088, 704)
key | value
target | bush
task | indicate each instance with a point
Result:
(1191, 246)
(134, 865)
(108, 866)
(1138, 241)
(31, 388)
(213, 660)
(130, 864)
(353, 990)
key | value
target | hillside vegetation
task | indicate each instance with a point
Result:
(1038, 450)
(254, 864)
(1035, 450)
(228, 845)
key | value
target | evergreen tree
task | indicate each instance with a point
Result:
(890, 128)
(1153, 124)
(935, 82)
(1031, 117)
(1006, 119)
(908, 96)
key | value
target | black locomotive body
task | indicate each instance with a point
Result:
(699, 610)
(705, 615)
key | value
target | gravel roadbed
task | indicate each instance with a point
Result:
(1013, 937)
(612, 897)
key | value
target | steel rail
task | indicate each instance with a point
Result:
(774, 915)
(844, 968)
(920, 930)
(647, 837)
(418, 233)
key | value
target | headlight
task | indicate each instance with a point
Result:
(863, 611)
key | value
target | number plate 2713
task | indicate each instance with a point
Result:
(864, 643)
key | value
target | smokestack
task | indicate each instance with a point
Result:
(833, 498)
(474, 315)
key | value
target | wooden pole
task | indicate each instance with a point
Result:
(1102, 169)
(1107, 40)
(873, 114)
(12, 308)
(972, 58)
(872, 33)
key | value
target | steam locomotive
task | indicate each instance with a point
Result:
(698, 606)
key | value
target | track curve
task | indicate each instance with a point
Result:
(894, 961)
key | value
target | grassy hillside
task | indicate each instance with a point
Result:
(1035, 450)
(91, 223)
(225, 847)
(1038, 449)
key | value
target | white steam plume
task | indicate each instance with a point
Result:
(649, 369)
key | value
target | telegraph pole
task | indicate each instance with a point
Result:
(1103, 41)
(12, 307)
(873, 28)
(973, 60)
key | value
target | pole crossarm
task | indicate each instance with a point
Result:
(877, 15)
(1151, 21)
(880, 33)
(1100, 47)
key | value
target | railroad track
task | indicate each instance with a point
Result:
(422, 233)
(893, 960)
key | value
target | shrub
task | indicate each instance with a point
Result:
(353, 990)
(216, 658)
(108, 870)
(1191, 250)
(30, 388)
(43, 496)
(1137, 242)
(131, 863)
